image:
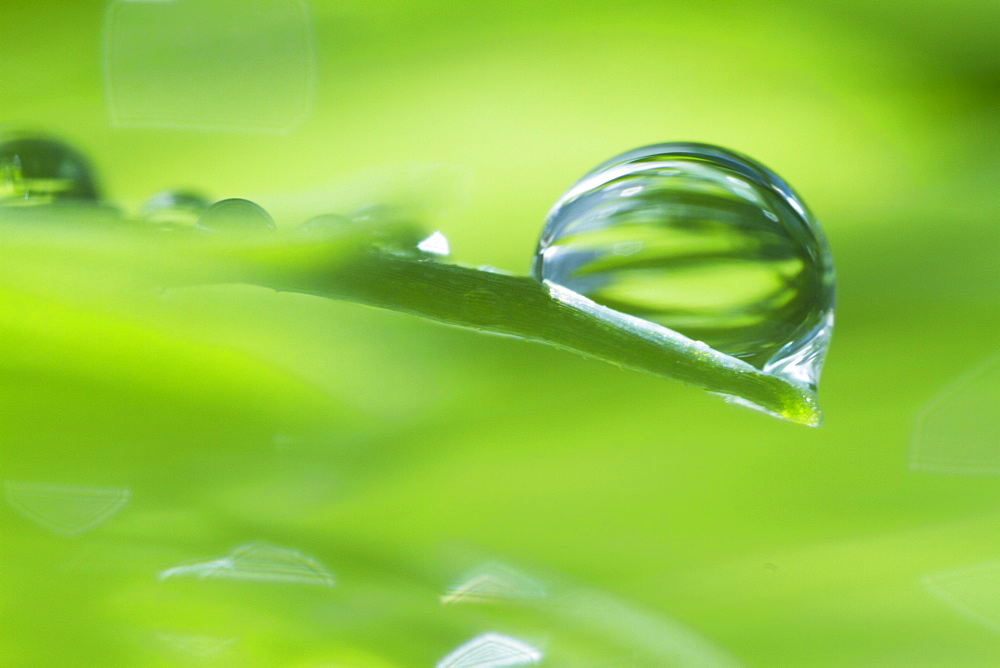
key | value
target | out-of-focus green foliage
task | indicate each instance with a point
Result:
(142, 429)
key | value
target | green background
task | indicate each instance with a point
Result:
(666, 527)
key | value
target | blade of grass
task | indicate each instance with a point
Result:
(349, 268)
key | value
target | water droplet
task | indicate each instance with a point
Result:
(326, 226)
(37, 170)
(494, 583)
(958, 432)
(174, 208)
(394, 230)
(435, 244)
(973, 592)
(235, 216)
(196, 646)
(258, 561)
(705, 242)
(65, 510)
(491, 650)
(653, 638)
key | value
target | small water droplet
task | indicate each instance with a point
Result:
(173, 209)
(326, 226)
(38, 170)
(196, 646)
(491, 650)
(258, 561)
(235, 216)
(391, 229)
(705, 242)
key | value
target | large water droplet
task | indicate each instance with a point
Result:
(235, 216)
(704, 241)
(37, 170)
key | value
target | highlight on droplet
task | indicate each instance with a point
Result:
(435, 244)
(492, 650)
(973, 592)
(257, 562)
(958, 432)
(494, 583)
(219, 65)
(65, 510)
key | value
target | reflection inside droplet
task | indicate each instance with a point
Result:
(705, 242)
(258, 561)
(491, 650)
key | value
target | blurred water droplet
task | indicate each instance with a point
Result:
(973, 592)
(653, 638)
(435, 244)
(235, 216)
(196, 646)
(705, 242)
(261, 562)
(326, 226)
(37, 170)
(491, 650)
(174, 208)
(493, 583)
(391, 229)
(958, 432)
(65, 510)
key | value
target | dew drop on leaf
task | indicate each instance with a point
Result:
(326, 226)
(174, 208)
(235, 216)
(703, 241)
(38, 170)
